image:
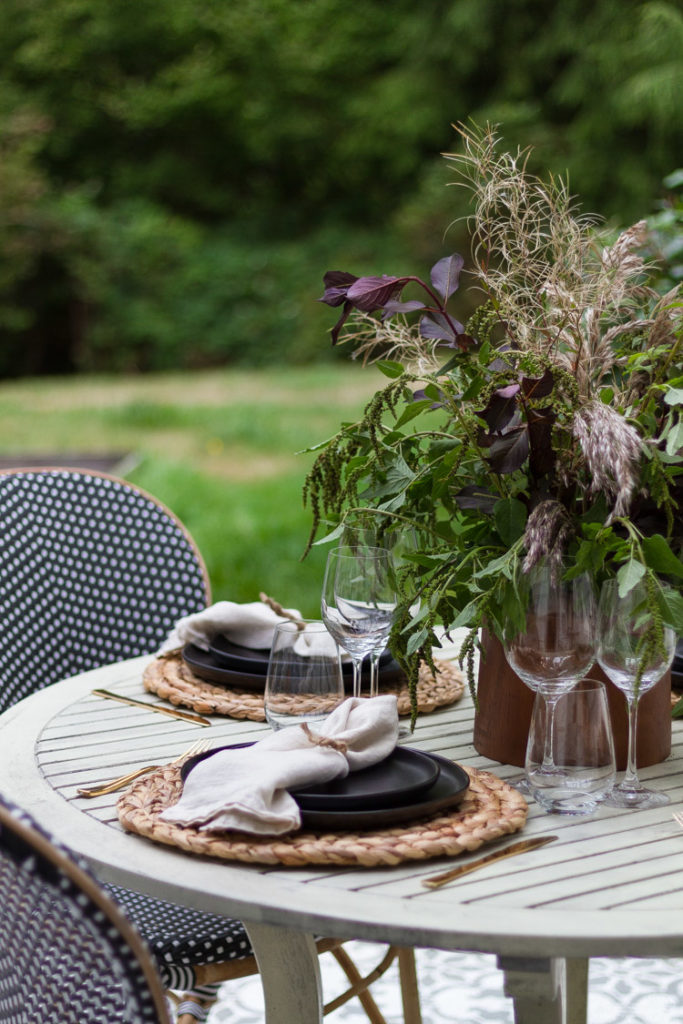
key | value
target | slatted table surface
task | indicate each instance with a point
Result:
(611, 885)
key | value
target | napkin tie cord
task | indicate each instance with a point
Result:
(317, 740)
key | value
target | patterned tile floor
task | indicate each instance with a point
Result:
(466, 988)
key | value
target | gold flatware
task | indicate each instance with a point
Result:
(184, 715)
(434, 881)
(110, 787)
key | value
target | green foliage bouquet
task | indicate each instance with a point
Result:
(546, 427)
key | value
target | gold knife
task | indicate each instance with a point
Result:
(434, 881)
(184, 715)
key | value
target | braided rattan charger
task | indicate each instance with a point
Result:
(172, 679)
(490, 809)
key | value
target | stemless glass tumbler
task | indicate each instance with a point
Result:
(304, 681)
(583, 750)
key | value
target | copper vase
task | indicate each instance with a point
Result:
(501, 722)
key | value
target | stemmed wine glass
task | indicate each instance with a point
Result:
(400, 541)
(558, 645)
(632, 659)
(358, 602)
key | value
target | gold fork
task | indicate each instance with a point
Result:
(198, 747)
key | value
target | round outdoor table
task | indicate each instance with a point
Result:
(611, 885)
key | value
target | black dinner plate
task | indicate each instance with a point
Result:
(206, 666)
(450, 787)
(252, 660)
(446, 792)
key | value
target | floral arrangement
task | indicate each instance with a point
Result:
(547, 426)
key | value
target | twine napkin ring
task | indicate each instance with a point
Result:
(324, 741)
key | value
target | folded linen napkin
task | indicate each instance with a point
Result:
(246, 788)
(250, 625)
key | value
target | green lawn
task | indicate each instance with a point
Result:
(222, 449)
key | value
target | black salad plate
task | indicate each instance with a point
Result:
(402, 776)
(446, 792)
(206, 665)
(239, 658)
(247, 659)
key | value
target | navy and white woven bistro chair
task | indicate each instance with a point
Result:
(94, 570)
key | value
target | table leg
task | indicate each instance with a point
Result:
(290, 974)
(546, 991)
(577, 990)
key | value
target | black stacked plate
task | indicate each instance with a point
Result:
(408, 785)
(231, 665)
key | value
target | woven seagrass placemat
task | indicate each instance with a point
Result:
(490, 809)
(172, 679)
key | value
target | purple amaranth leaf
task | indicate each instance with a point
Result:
(445, 275)
(541, 454)
(337, 283)
(509, 452)
(501, 408)
(476, 498)
(364, 293)
(438, 327)
(391, 307)
(348, 306)
(371, 293)
(538, 387)
(422, 396)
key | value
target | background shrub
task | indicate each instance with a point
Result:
(175, 178)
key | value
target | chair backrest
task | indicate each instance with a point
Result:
(66, 952)
(92, 570)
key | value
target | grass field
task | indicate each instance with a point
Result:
(223, 449)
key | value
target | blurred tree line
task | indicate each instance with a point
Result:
(176, 177)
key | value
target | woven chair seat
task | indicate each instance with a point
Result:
(177, 935)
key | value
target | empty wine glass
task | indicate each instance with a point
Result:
(632, 658)
(358, 602)
(304, 680)
(365, 530)
(558, 645)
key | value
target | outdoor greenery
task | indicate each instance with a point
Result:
(547, 428)
(172, 176)
(221, 449)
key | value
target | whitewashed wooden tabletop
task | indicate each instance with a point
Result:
(611, 885)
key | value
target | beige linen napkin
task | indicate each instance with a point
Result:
(250, 625)
(246, 789)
